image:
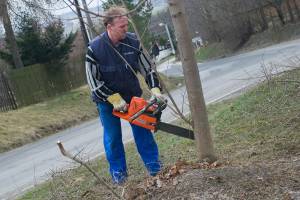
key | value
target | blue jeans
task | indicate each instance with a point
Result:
(114, 147)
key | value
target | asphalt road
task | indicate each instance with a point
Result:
(31, 164)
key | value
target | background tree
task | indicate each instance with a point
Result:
(91, 28)
(277, 4)
(81, 22)
(10, 37)
(292, 18)
(296, 8)
(44, 45)
(9, 9)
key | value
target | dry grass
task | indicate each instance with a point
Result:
(33, 122)
(30, 123)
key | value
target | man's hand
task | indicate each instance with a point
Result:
(118, 102)
(157, 94)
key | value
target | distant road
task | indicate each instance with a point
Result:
(26, 166)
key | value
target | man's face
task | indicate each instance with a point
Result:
(118, 27)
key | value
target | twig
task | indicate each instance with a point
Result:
(289, 81)
(77, 15)
(98, 15)
(101, 180)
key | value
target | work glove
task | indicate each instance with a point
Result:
(157, 94)
(118, 102)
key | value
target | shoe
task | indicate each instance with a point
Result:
(153, 168)
(119, 178)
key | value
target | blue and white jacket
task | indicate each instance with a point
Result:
(107, 73)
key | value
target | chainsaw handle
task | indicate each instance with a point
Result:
(136, 115)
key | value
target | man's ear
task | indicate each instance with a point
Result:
(108, 26)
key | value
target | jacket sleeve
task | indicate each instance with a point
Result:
(93, 75)
(146, 70)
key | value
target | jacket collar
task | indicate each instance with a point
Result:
(106, 37)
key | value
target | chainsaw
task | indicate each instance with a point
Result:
(147, 114)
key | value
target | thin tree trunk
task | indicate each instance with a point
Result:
(290, 11)
(264, 23)
(297, 9)
(272, 20)
(10, 36)
(92, 30)
(82, 25)
(193, 84)
(280, 14)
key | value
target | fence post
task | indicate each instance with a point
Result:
(8, 102)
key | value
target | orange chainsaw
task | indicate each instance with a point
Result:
(147, 114)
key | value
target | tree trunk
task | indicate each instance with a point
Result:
(264, 23)
(290, 11)
(92, 30)
(10, 36)
(193, 83)
(82, 25)
(280, 14)
(297, 9)
(272, 20)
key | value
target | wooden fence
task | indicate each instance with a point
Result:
(7, 98)
(36, 83)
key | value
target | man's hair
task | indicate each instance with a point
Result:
(112, 13)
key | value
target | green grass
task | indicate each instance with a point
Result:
(213, 50)
(265, 122)
(261, 125)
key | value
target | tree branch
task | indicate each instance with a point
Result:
(74, 158)
(98, 15)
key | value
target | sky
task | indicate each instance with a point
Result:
(63, 8)
(96, 3)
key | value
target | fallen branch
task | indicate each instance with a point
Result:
(101, 180)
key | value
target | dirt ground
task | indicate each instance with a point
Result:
(277, 179)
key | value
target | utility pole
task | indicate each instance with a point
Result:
(82, 26)
(169, 36)
(197, 105)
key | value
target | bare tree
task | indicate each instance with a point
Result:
(261, 12)
(296, 8)
(82, 25)
(91, 27)
(277, 4)
(193, 83)
(10, 36)
(292, 18)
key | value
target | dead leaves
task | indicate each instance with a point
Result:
(168, 177)
(169, 174)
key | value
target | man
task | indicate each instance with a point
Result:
(112, 60)
(154, 51)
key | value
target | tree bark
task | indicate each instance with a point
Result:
(10, 36)
(264, 23)
(297, 9)
(82, 25)
(290, 11)
(92, 30)
(193, 84)
(280, 14)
